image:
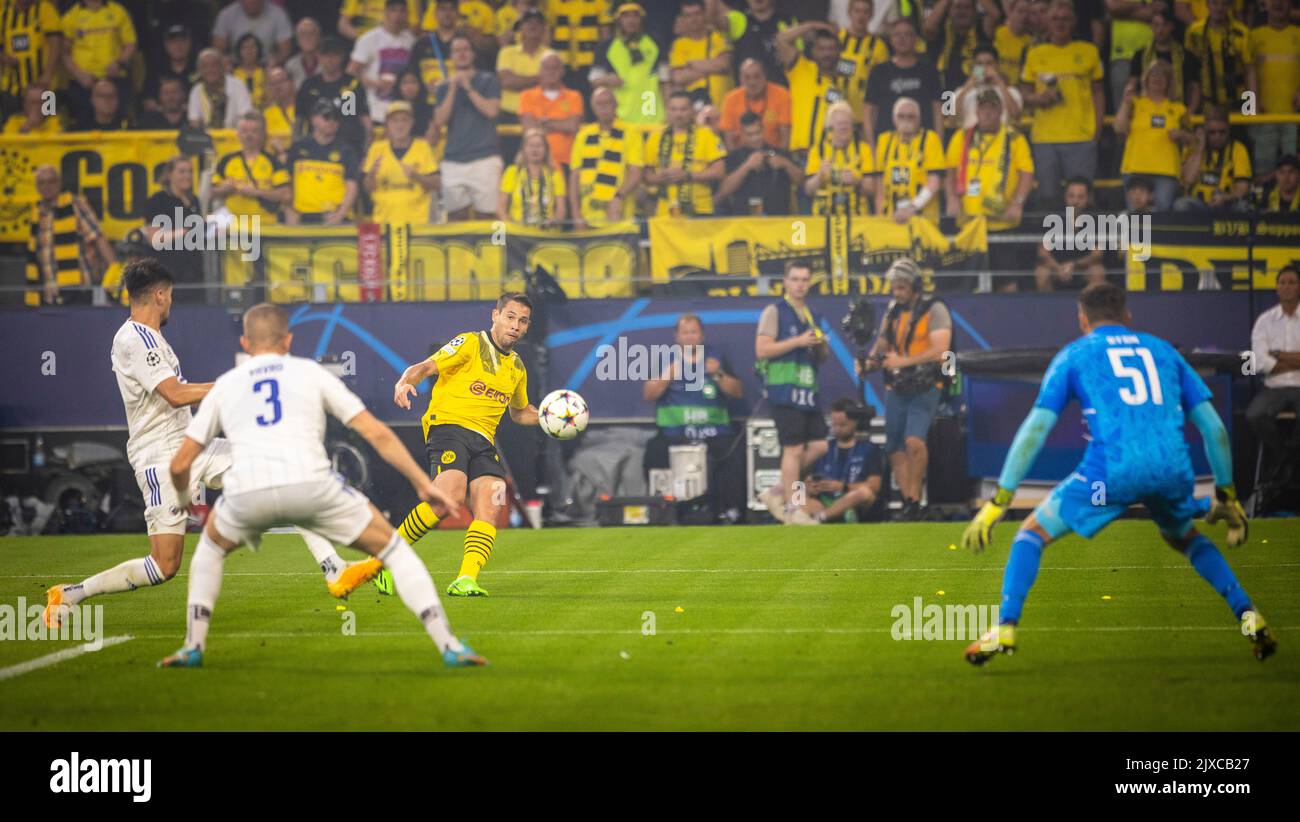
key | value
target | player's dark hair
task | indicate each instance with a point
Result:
(844, 405)
(1103, 301)
(1139, 181)
(514, 297)
(1079, 181)
(140, 278)
(791, 265)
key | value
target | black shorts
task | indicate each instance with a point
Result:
(453, 448)
(795, 426)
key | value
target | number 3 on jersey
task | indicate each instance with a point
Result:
(1139, 393)
(272, 399)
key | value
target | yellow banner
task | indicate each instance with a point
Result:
(846, 255)
(114, 171)
(462, 261)
(1179, 253)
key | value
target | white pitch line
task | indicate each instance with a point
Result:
(59, 656)
(589, 571)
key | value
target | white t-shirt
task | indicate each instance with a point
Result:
(238, 101)
(272, 409)
(142, 359)
(380, 52)
(1275, 330)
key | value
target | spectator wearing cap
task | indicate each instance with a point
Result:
(915, 336)
(357, 17)
(605, 166)
(627, 65)
(508, 17)
(176, 58)
(380, 54)
(765, 100)
(32, 119)
(759, 178)
(268, 22)
(1061, 86)
(218, 99)
(432, 53)
(553, 108)
(66, 251)
(990, 175)
(1157, 130)
(342, 90)
(700, 58)
(518, 64)
(1284, 194)
(105, 109)
(306, 62)
(909, 166)
(986, 72)
(279, 110)
(401, 171)
(169, 215)
(466, 108)
(99, 42)
(250, 179)
(324, 169)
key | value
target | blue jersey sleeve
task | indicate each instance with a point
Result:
(1055, 392)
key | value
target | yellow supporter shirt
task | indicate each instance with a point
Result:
(1075, 67)
(97, 36)
(25, 32)
(811, 94)
(1277, 58)
(398, 198)
(858, 55)
(533, 199)
(265, 171)
(575, 28)
(704, 147)
(1149, 148)
(1223, 64)
(985, 166)
(904, 167)
(279, 127)
(834, 197)
(476, 382)
(514, 58)
(367, 14)
(601, 159)
(48, 126)
(1219, 170)
(1012, 50)
(686, 49)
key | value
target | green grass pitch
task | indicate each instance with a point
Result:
(779, 628)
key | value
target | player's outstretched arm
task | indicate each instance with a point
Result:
(405, 388)
(1218, 449)
(1024, 450)
(524, 416)
(178, 393)
(388, 446)
(180, 469)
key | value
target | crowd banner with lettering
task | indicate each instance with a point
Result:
(460, 261)
(846, 255)
(1182, 251)
(114, 171)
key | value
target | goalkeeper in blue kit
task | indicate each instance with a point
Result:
(1134, 389)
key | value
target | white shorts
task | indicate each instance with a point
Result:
(329, 508)
(475, 183)
(162, 511)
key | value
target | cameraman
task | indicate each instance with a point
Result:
(790, 345)
(914, 336)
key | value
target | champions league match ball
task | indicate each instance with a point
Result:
(562, 414)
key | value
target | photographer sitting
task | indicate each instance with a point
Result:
(845, 482)
(691, 408)
(914, 337)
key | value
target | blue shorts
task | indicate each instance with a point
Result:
(1079, 505)
(908, 417)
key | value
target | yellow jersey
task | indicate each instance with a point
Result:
(23, 34)
(264, 172)
(1225, 53)
(1073, 68)
(1149, 148)
(575, 28)
(693, 150)
(987, 169)
(811, 93)
(533, 199)
(397, 197)
(476, 382)
(1012, 50)
(1220, 170)
(904, 167)
(279, 127)
(858, 55)
(367, 14)
(687, 49)
(601, 159)
(1277, 59)
(97, 37)
(835, 197)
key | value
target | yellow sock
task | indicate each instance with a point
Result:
(478, 547)
(417, 523)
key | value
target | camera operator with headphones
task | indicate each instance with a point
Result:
(914, 336)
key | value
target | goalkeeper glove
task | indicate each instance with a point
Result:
(1228, 508)
(980, 531)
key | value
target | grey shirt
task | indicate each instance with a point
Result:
(470, 135)
(271, 27)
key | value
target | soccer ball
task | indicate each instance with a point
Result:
(562, 414)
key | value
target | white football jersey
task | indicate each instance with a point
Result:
(142, 359)
(272, 409)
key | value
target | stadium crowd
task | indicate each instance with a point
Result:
(579, 113)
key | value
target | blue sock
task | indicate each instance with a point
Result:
(1213, 568)
(1022, 570)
